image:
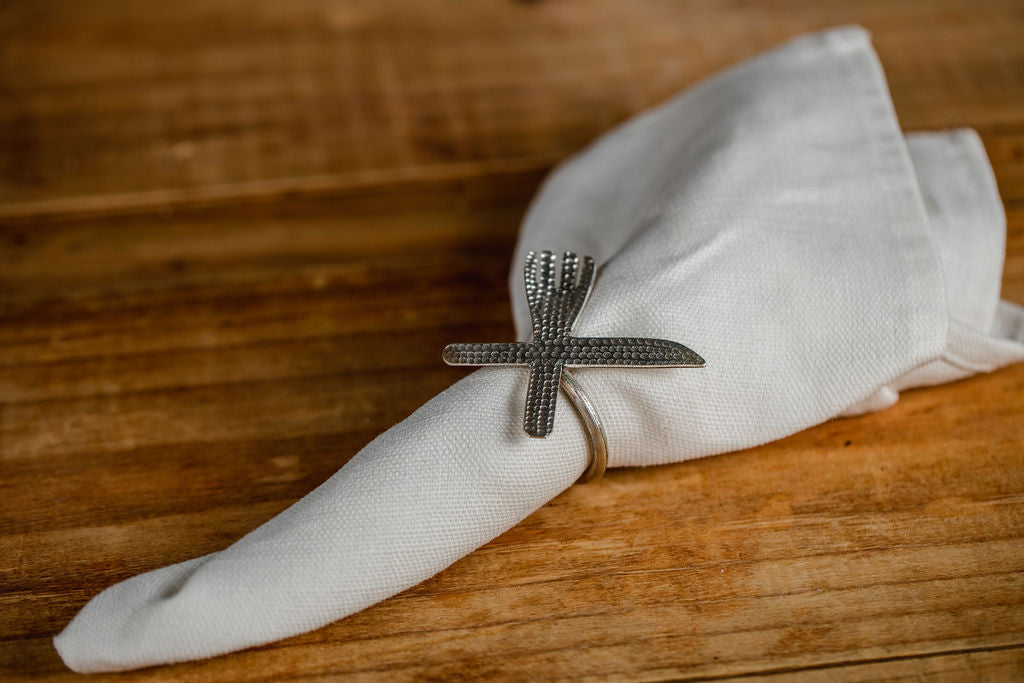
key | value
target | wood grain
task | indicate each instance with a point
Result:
(234, 238)
(104, 105)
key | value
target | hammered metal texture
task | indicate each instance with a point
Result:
(554, 306)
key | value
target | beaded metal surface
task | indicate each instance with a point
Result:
(555, 303)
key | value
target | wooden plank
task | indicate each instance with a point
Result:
(979, 665)
(889, 536)
(104, 106)
(907, 541)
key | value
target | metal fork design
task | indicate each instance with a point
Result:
(555, 304)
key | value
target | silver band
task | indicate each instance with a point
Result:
(596, 438)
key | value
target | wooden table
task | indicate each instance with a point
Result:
(235, 236)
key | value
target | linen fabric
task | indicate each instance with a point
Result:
(773, 218)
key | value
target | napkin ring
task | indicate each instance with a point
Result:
(554, 308)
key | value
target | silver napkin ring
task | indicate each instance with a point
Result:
(552, 348)
(592, 428)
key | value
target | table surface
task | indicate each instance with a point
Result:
(235, 236)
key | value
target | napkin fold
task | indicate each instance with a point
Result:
(773, 218)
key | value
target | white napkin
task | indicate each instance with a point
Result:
(772, 219)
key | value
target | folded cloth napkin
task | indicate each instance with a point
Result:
(773, 218)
